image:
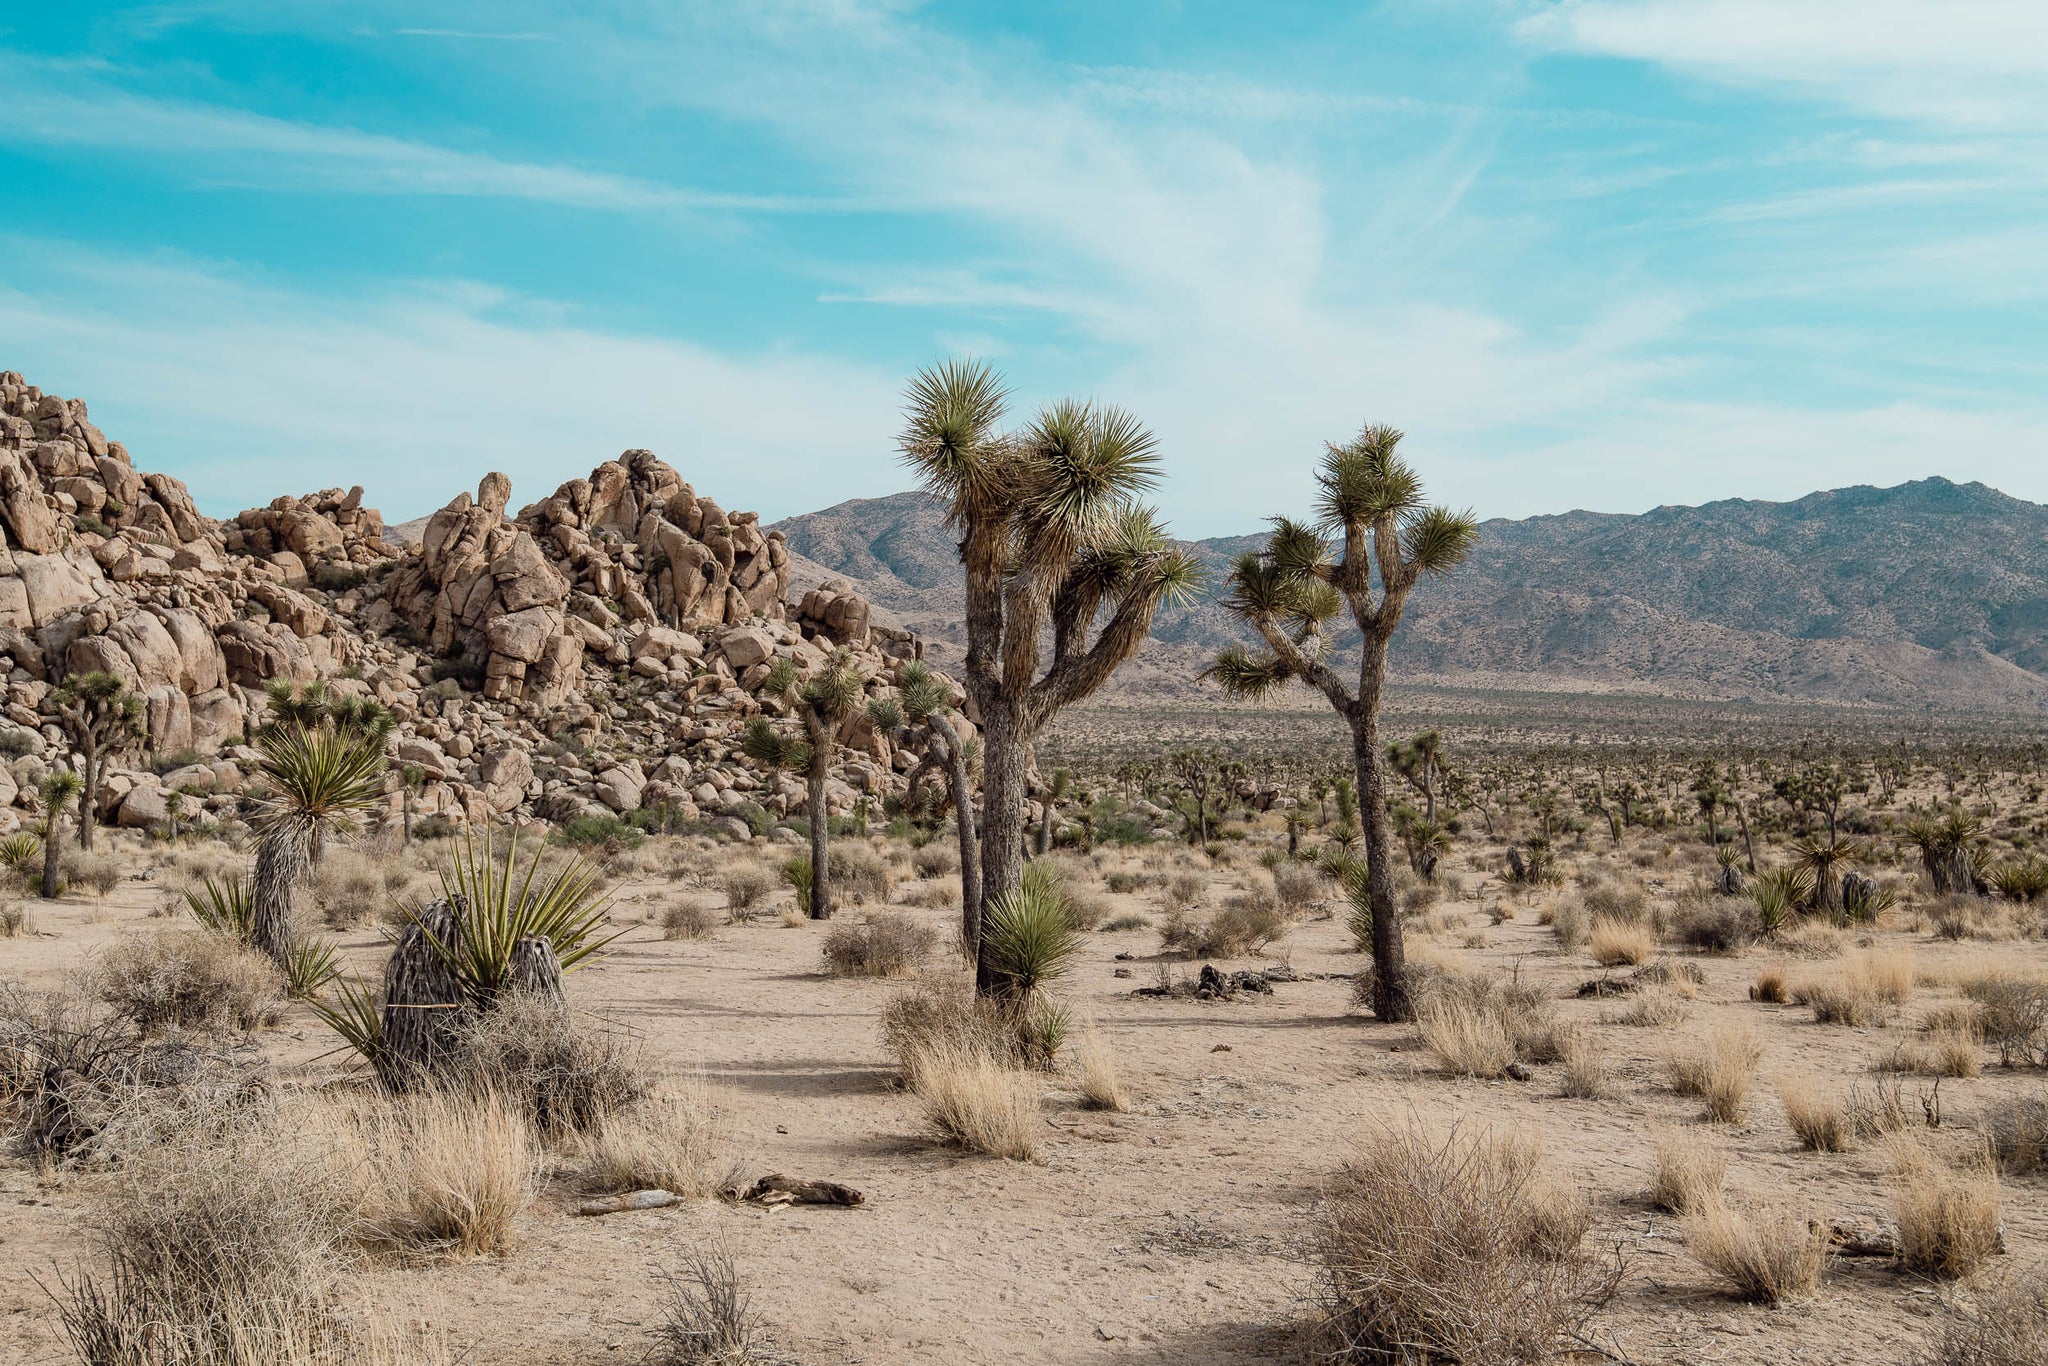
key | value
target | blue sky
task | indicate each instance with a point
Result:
(1588, 253)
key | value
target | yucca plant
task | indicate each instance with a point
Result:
(310, 963)
(497, 904)
(223, 905)
(799, 872)
(20, 852)
(1028, 938)
(321, 779)
(2021, 879)
(1778, 894)
(353, 1011)
(1358, 891)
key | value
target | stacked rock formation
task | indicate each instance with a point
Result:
(599, 652)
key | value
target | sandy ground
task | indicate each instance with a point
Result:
(1175, 1232)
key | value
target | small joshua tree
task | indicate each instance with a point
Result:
(59, 789)
(1370, 500)
(826, 703)
(100, 715)
(321, 777)
(1055, 544)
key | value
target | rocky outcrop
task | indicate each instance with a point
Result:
(598, 653)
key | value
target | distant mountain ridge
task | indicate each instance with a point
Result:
(1930, 593)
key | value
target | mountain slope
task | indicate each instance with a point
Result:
(1929, 593)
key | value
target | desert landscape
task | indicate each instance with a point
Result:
(463, 986)
(901, 683)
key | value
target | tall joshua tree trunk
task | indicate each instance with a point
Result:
(1053, 540)
(1371, 501)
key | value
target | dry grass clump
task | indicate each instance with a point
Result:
(687, 920)
(1585, 1074)
(1712, 923)
(1861, 990)
(1765, 1255)
(1950, 1220)
(2018, 1131)
(883, 944)
(1822, 1123)
(98, 873)
(16, 920)
(670, 1141)
(961, 1056)
(187, 979)
(1477, 1024)
(1183, 889)
(1770, 987)
(1654, 1007)
(1618, 942)
(1689, 1172)
(933, 896)
(1452, 1248)
(1625, 901)
(1241, 929)
(448, 1173)
(1719, 1069)
(564, 1075)
(2009, 1327)
(1095, 1075)
(1569, 921)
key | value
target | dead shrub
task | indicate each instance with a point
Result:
(687, 920)
(1240, 930)
(706, 1317)
(1654, 1007)
(1688, 1173)
(563, 1075)
(1718, 1069)
(883, 944)
(1820, 1122)
(219, 1244)
(1878, 1112)
(2018, 1131)
(188, 979)
(1950, 1220)
(1617, 942)
(1184, 889)
(16, 920)
(2007, 1327)
(349, 887)
(937, 859)
(97, 873)
(670, 1140)
(746, 886)
(859, 873)
(1452, 1249)
(1625, 902)
(1714, 924)
(1765, 1255)
(2014, 1016)
(1298, 887)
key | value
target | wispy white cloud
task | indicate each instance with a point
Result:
(474, 35)
(68, 112)
(250, 390)
(1965, 63)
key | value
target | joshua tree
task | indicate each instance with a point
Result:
(1371, 500)
(923, 702)
(60, 788)
(826, 703)
(1420, 761)
(309, 708)
(1055, 789)
(100, 715)
(321, 777)
(1053, 541)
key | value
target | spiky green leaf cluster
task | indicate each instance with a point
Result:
(497, 903)
(1028, 938)
(770, 748)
